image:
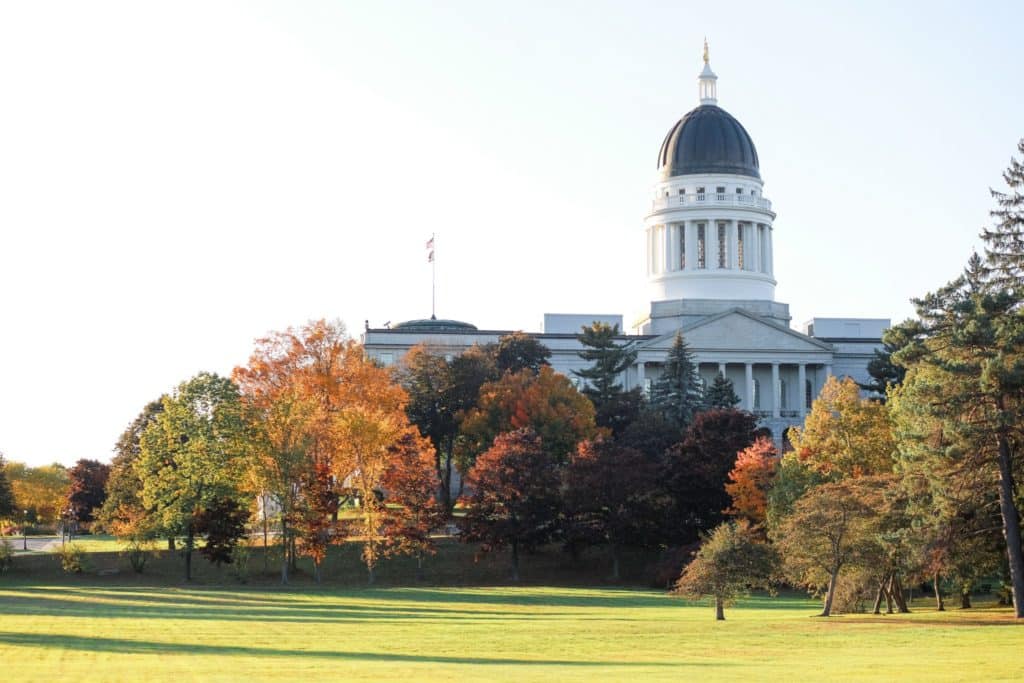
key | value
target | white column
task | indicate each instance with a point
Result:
(802, 388)
(732, 230)
(721, 369)
(771, 250)
(828, 371)
(711, 244)
(640, 375)
(690, 235)
(776, 391)
(749, 368)
(673, 246)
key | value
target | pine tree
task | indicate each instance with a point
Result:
(7, 504)
(616, 408)
(1004, 242)
(678, 393)
(721, 393)
(883, 371)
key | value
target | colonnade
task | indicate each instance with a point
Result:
(711, 244)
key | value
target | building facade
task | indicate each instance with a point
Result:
(709, 239)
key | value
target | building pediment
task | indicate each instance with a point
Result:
(738, 330)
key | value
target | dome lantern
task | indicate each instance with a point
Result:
(707, 81)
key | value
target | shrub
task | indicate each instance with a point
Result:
(138, 553)
(73, 559)
(240, 555)
(6, 555)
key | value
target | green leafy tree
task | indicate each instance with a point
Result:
(519, 351)
(188, 458)
(678, 393)
(615, 407)
(721, 393)
(730, 562)
(40, 490)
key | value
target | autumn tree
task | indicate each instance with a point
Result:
(189, 455)
(87, 489)
(696, 470)
(545, 402)
(844, 434)
(615, 407)
(750, 480)
(721, 393)
(610, 498)
(40, 490)
(833, 527)
(413, 511)
(222, 525)
(515, 498)
(731, 560)
(678, 393)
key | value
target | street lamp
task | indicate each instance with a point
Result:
(24, 532)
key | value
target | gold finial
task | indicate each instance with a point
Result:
(706, 58)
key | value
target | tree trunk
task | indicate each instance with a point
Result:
(419, 567)
(189, 542)
(719, 609)
(370, 578)
(294, 553)
(170, 543)
(939, 604)
(881, 592)
(515, 561)
(1011, 526)
(896, 588)
(615, 562)
(832, 579)
(316, 570)
(266, 538)
(965, 600)
(284, 551)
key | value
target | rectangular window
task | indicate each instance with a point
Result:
(739, 190)
(701, 247)
(720, 193)
(700, 194)
(740, 228)
(723, 251)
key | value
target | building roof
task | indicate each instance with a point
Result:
(434, 325)
(708, 140)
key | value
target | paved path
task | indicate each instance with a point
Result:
(36, 543)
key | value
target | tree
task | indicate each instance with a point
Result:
(845, 435)
(833, 527)
(8, 507)
(697, 469)
(884, 372)
(123, 512)
(40, 490)
(750, 480)
(280, 415)
(87, 489)
(519, 351)
(678, 393)
(615, 407)
(966, 370)
(188, 456)
(413, 511)
(721, 393)
(610, 498)
(1004, 241)
(222, 523)
(730, 561)
(545, 402)
(440, 392)
(515, 498)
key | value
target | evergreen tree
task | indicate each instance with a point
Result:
(721, 393)
(883, 371)
(616, 408)
(1004, 242)
(678, 393)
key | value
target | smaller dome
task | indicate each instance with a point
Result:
(434, 325)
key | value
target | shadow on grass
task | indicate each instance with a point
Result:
(121, 646)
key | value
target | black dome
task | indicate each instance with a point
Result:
(708, 140)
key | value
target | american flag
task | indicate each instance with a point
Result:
(430, 250)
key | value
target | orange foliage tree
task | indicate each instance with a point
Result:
(750, 480)
(545, 402)
(413, 510)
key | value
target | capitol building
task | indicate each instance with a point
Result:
(709, 239)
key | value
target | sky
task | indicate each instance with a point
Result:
(178, 179)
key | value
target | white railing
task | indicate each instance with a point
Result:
(712, 199)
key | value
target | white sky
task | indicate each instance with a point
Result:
(177, 179)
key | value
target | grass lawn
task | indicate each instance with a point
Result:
(138, 633)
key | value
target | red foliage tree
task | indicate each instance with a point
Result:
(87, 488)
(610, 498)
(515, 498)
(750, 480)
(413, 510)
